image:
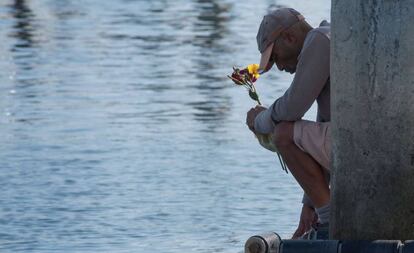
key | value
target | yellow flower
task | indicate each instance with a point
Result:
(253, 70)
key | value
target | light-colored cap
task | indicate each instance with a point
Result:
(273, 24)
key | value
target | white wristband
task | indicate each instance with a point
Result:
(263, 122)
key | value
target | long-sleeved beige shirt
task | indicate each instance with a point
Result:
(311, 82)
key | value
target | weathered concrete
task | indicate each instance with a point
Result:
(372, 77)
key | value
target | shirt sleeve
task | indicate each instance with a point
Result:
(312, 72)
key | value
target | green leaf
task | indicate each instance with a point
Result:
(254, 95)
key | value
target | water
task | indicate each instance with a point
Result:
(120, 132)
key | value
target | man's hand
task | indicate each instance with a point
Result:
(308, 218)
(251, 115)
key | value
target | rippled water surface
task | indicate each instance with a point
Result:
(120, 132)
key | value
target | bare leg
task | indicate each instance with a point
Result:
(307, 172)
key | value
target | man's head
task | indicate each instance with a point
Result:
(280, 39)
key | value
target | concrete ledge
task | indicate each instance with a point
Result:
(308, 246)
(272, 243)
(370, 246)
(408, 247)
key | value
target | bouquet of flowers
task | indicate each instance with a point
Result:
(247, 77)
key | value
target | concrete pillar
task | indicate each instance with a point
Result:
(372, 78)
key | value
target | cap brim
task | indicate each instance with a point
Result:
(265, 63)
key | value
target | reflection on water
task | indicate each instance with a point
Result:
(23, 29)
(211, 23)
(120, 131)
(209, 28)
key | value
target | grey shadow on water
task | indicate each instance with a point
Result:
(23, 32)
(23, 28)
(24, 52)
(209, 29)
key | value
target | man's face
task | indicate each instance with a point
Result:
(285, 55)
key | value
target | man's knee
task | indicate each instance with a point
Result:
(283, 134)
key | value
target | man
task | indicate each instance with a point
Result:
(286, 40)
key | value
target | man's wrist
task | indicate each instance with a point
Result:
(263, 122)
(308, 206)
(306, 200)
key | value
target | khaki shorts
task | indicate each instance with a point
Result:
(314, 138)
